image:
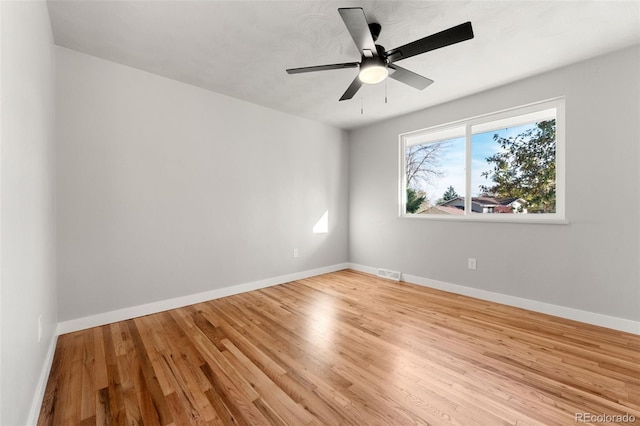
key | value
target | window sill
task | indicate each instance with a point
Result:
(492, 218)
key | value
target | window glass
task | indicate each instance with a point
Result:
(436, 174)
(502, 166)
(513, 170)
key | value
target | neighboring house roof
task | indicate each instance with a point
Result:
(453, 201)
(486, 201)
(443, 210)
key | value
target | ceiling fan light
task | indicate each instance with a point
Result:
(373, 74)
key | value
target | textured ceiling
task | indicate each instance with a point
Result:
(242, 48)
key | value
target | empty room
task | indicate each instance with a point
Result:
(319, 212)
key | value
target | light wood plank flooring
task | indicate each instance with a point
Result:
(343, 348)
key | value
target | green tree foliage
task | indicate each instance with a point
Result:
(525, 167)
(414, 200)
(449, 194)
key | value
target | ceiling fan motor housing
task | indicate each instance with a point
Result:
(375, 29)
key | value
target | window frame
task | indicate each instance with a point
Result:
(559, 217)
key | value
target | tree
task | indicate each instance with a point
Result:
(449, 194)
(414, 200)
(525, 167)
(423, 163)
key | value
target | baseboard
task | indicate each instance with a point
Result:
(366, 269)
(533, 305)
(607, 321)
(178, 302)
(36, 404)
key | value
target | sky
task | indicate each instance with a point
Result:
(453, 163)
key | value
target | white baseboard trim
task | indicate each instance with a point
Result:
(178, 302)
(36, 404)
(607, 321)
(367, 269)
(533, 305)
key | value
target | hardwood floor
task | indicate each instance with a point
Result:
(344, 348)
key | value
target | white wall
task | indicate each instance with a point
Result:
(590, 264)
(27, 230)
(166, 190)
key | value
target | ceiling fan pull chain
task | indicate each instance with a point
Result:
(385, 91)
(361, 105)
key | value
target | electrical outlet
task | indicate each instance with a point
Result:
(295, 252)
(471, 263)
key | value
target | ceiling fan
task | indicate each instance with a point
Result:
(376, 62)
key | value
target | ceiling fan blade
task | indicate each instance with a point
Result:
(352, 89)
(410, 78)
(444, 38)
(356, 22)
(323, 67)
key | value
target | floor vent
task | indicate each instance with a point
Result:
(391, 275)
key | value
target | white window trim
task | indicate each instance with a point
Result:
(483, 121)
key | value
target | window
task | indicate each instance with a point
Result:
(506, 166)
